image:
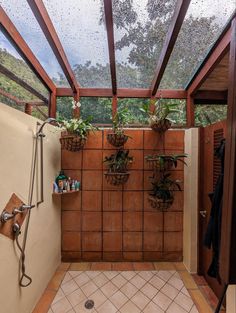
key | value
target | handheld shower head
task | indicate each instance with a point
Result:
(50, 120)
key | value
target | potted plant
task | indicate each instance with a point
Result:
(117, 167)
(75, 133)
(162, 195)
(117, 137)
(164, 161)
(159, 118)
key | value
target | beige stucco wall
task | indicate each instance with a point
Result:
(44, 237)
(190, 244)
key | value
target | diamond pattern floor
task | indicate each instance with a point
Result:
(123, 292)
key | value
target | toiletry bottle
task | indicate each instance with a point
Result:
(68, 184)
(73, 185)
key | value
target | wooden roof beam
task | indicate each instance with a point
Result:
(111, 43)
(22, 83)
(177, 21)
(49, 31)
(21, 46)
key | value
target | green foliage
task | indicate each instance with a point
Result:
(121, 118)
(167, 160)
(78, 127)
(209, 114)
(163, 187)
(118, 162)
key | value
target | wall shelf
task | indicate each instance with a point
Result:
(65, 193)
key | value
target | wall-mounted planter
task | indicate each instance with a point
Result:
(72, 142)
(155, 163)
(116, 179)
(160, 204)
(161, 126)
(117, 140)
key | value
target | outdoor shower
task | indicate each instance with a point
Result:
(5, 216)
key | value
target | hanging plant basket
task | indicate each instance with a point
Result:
(116, 179)
(154, 164)
(159, 204)
(117, 140)
(161, 126)
(72, 142)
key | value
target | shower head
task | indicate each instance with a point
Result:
(50, 120)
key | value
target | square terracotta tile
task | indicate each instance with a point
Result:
(101, 266)
(107, 186)
(132, 221)
(113, 256)
(132, 241)
(138, 160)
(153, 256)
(91, 241)
(112, 241)
(135, 181)
(45, 301)
(91, 200)
(91, 221)
(112, 201)
(94, 140)
(73, 174)
(178, 204)
(133, 200)
(122, 266)
(91, 256)
(153, 241)
(92, 180)
(173, 221)
(71, 256)
(112, 221)
(92, 159)
(173, 241)
(107, 153)
(106, 144)
(133, 256)
(147, 175)
(174, 139)
(136, 140)
(144, 266)
(71, 201)
(71, 241)
(71, 220)
(169, 256)
(153, 221)
(152, 140)
(71, 160)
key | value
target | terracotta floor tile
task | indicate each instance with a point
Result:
(143, 266)
(101, 266)
(140, 300)
(80, 266)
(165, 266)
(61, 306)
(200, 301)
(44, 303)
(56, 280)
(122, 266)
(162, 300)
(63, 266)
(152, 307)
(188, 280)
(129, 289)
(199, 280)
(209, 295)
(179, 266)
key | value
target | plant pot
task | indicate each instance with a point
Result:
(161, 126)
(154, 164)
(117, 140)
(159, 204)
(116, 179)
(72, 142)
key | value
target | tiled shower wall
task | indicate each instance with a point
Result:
(114, 223)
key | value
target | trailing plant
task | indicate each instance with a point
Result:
(164, 161)
(118, 162)
(163, 187)
(77, 126)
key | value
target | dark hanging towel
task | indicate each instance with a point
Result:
(213, 232)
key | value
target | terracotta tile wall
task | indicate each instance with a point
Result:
(104, 222)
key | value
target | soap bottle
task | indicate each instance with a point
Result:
(73, 185)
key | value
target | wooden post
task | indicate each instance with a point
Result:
(28, 108)
(52, 110)
(76, 111)
(228, 230)
(114, 106)
(190, 111)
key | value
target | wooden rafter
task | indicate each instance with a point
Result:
(22, 83)
(111, 43)
(47, 27)
(20, 102)
(123, 93)
(21, 46)
(177, 21)
(210, 97)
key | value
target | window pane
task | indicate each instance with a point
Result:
(21, 15)
(12, 61)
(209, 114)
(64, 107)
(84, 39)
(40, 112)
(134, 105)
(99, 109)
(203, 23)
(140, 30)
(178, 118)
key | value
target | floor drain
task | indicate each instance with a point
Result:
(89, 304)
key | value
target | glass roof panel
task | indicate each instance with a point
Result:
(140, 30)
(11, 60)
(82, 32)
(21, 15)
(203, 24)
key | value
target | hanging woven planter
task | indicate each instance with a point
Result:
(161, 126)
(72, 142)
(116, 179)
(155, 164)
(160, 204)
(117, 140)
